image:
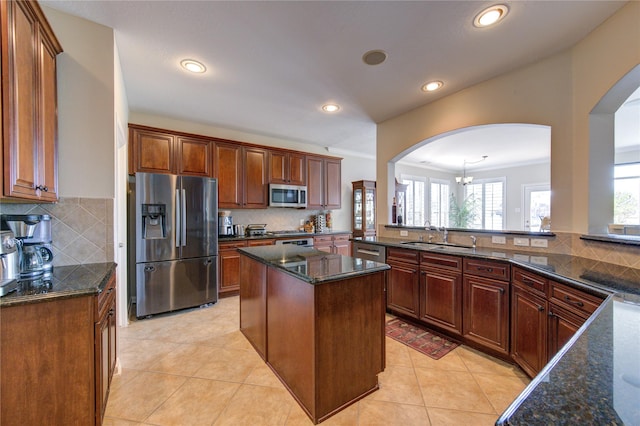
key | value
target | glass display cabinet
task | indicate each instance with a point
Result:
(364, 208)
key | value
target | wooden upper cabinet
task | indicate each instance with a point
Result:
(195, 156)
(324, 183)
(157, 151)
(255, 179)
(152, 151)
(287, 168)
(29, 99)
(229, 174)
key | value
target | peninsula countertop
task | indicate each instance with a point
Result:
(310, 265)
(65, 282)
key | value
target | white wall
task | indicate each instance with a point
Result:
(558, 91)
(85, 106)
(353, 168)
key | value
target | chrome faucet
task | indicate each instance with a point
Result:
(445, 235)
(473, 241)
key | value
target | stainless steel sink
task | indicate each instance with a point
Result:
(454, 249)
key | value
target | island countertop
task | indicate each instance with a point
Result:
(310, 265)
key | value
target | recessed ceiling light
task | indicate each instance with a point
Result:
(193, 66)
(490, 15)
(330, 108)
(374, 57)
(431, 86)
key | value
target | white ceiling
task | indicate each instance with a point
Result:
(273, 64)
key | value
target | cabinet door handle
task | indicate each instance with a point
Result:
(484, 268)
(42, 188)
(540, 308)
(573, 302)
(501, 290)
(528, 281)
(551, 314)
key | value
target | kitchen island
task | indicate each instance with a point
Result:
(317, 319)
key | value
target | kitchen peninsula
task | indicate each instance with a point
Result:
(317, 319)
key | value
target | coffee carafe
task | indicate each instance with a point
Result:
(33, 233)
(31, 263)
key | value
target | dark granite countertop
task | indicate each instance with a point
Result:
(64, 282)
(594, 380)
(592, 276)
(310, 265)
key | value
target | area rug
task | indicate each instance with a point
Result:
(419, 338)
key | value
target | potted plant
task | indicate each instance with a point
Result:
(462, 215)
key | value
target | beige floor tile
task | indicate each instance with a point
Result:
(477, 362)
(232, 365)
(450, 361)
(197, 402)
(184, 360)
(456, 390)
(397, 353)
(140, 354)
(501, 390)
(398, 384)
(123, 377)
(444, 417)
(263, 376)
(139, 397)
(257, 405)
(372, 413)
(118, 422)
(346, 417)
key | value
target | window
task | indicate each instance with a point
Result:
(486, 198)
(626, 207)
(414, 211)
(439, 203)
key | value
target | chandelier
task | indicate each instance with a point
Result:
(464, 179)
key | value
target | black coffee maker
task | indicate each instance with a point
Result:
(33, 233)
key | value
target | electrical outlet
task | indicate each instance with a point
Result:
(524, 242)
(497, 239)
(404, 233)
(539, 242)
(301, 222)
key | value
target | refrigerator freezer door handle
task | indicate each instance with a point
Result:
(183, 232)
(177, 225)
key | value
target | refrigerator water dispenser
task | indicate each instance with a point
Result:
(154, 223)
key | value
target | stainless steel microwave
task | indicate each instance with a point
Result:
(287, 196)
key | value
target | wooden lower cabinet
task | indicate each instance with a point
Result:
(403, 287)
(561, 327)
(229, 258)
(441, 298)
(335, 244)
(57, 359)
(528, 330)
(486, 312)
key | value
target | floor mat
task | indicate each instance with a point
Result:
(419, 338)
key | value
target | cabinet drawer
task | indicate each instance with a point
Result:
(344, 237)
(450, 263)
(403, 255)
(232, 245)
(573, 299)
(530, 281)
(104, 298)
(323, 239)
(487, 268)
(256, 243)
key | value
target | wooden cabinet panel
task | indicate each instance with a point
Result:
(105, 353)
(229, 174)
(562, 326)
(333, 184)
(342, 245)
(573, 300)
(486, 312)
(256, 243)
(441, 298)
(335, 244)
(324, 183)
(487, 268)
(403, 288)
(153, 151)
(287, 168)
(253, 309)
(315, 183)
(531, 281)
(528, 330)
(29, 50)
(255, 179)
(195, 156)
(229, 259)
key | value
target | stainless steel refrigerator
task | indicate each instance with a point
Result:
(176, 242)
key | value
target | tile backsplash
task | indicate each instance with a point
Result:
(81, 228)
